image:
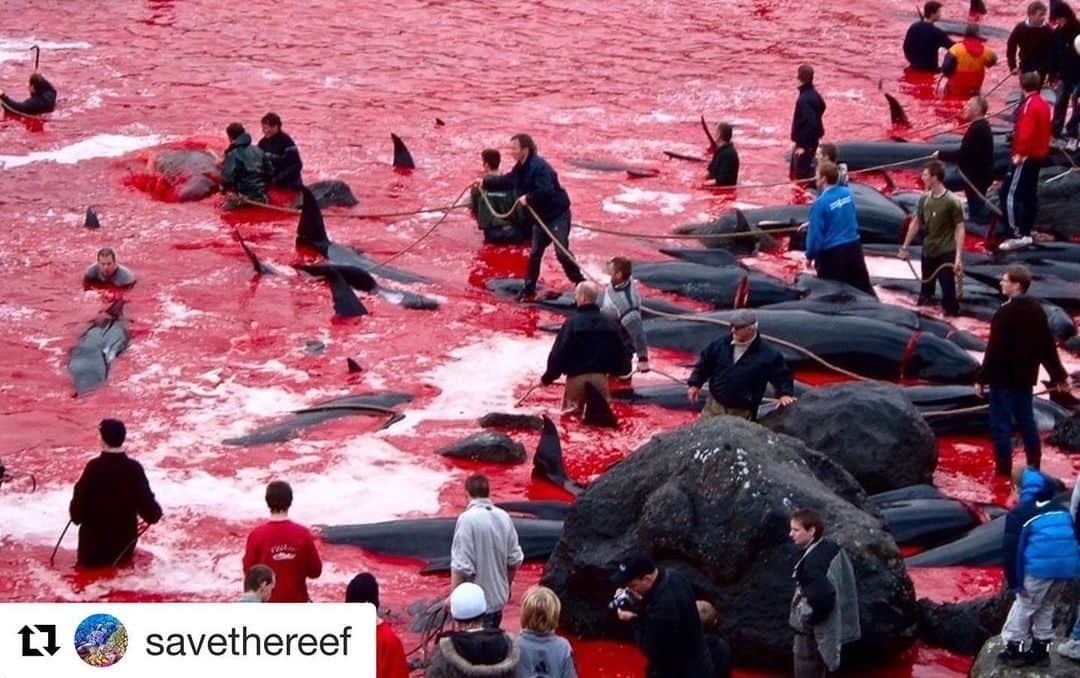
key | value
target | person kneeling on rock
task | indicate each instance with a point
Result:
(825, 607)
(660, 605)
(588, 348)
(737, 365)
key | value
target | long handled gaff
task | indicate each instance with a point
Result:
(131, 544)
(37, 56)
(57, 547)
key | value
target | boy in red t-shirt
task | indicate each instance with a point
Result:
(389, 652)
(286, 547)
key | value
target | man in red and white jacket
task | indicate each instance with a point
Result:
(1019, 196)
(286, 547)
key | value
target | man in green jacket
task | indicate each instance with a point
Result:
(244, 170)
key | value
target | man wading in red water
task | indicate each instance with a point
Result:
(537, 186)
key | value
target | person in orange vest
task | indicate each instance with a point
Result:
(966, 63)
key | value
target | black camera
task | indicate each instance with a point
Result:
(622, 600)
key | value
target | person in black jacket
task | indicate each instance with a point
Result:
(924, 39)
(1033, 39)
(1020, 341)
(824, 609)
(737, 365)
(975, 158)
(667, 626)
(42, 98)
(281, 154)
(537, 186)
(588, 348)
(109, 496)
(724, 168)
(807, 127)
(1065, 67)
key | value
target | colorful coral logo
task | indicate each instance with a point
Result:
(101, 640)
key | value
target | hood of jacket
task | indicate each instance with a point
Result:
(1035, 486)
(974, 46)
(480, 653)
(241, 141)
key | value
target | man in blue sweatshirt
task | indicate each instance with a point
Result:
(1041, 556)
(924, 39)
(832, 237)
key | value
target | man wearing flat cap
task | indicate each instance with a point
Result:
(737, 365)
(108, 499)
(659, 602)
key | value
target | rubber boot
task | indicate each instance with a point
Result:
(1038, 654)
(1011, 655)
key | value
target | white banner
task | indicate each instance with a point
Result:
(206, 640)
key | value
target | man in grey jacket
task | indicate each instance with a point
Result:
(622, 302)
(485, 549)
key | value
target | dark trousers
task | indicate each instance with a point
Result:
(845, 264)
(560, 226)
(1019, 197)
(1008, 405)
(1072, 127)
(1066, 93)
(946, 278)
(978, 210)
(802, 167)
(808, 662)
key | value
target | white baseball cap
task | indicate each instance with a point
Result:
(467, 602)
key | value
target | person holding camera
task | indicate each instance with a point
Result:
(660, 605)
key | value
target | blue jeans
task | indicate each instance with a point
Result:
(1009, 405)
(1075, 635)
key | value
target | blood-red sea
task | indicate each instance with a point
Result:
(216, 351)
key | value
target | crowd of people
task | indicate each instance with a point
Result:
(674, 629)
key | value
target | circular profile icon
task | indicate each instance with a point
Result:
(101, 640)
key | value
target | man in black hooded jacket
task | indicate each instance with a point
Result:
(281, 154)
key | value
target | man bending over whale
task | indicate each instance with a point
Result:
(106, 271)
(42, 98)
(244, 166)
(540, 193)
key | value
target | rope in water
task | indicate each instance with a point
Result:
(374, 215)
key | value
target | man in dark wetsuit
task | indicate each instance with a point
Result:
(109, 497)
(281, 154)
(107, 272)
(724, 168)
(42, 98)
(538, 188)
(924, 39)
(244, 166)
(807, 127)
(512, 230)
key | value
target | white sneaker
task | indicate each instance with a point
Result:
(1015, 243)
(1072, 145)
(1070, 649)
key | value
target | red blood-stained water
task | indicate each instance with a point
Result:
(215, 351)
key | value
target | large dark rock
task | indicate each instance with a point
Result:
(965, 626)
(1066, 434)
(489, 446)
(987, 666)
(712, 500)
(870, 429)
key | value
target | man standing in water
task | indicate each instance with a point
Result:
(537, 186)
(832, 235)
(109, 497)
(244, 166)
(807, 127)
(281, 153)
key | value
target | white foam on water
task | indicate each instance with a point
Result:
(481, 377)
(669, 203)
(97, 146)
(18, 49)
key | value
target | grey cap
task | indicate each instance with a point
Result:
(743, 318)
